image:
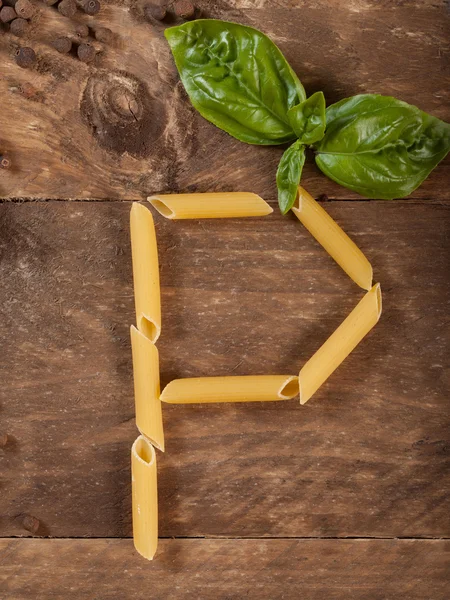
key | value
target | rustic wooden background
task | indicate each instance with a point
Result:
(346, 497)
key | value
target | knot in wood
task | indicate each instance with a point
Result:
(122, 115)
(124, 104)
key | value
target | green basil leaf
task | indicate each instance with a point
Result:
(288, 175)
(308, 119)
(379, 146)
(236, 78)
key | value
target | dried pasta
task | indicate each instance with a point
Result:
(210, 206)
(249, 388)
(145, 272)
(339, 345)
(146, 388)
(144, 497)
(335, 241)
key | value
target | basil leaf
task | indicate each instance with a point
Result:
(237, 79)
(288, 175)
(308, 119)
(379, 146)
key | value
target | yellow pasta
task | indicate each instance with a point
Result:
(144, 497)
(337, 243)
(146, 388)
(210, 206)
(339, 345)
(249, 388)
(145, 272)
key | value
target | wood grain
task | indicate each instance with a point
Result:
(366, 457)
(227, 569)
(122, 127)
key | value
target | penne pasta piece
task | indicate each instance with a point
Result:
(146, 388)
(144, 496)
(339, 345)
(249, 388)
(210, 206)
(335, 241)
(145, 272)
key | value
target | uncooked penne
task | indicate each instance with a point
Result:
(247, 388)
(145, 272)
(210, 206)
(339, 345)
(146, 388)
(335, 241)
(144, 496)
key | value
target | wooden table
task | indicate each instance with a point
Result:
(346, 497)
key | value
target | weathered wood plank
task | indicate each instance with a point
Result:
(122, 127)
(366, 456)
(227, 569)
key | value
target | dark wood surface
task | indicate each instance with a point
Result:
(123, 128)
(367, 457)
(227, 569)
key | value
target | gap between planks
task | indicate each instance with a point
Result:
(406, 201)
(235, 538)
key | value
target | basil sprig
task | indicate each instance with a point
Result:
(239, 80)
